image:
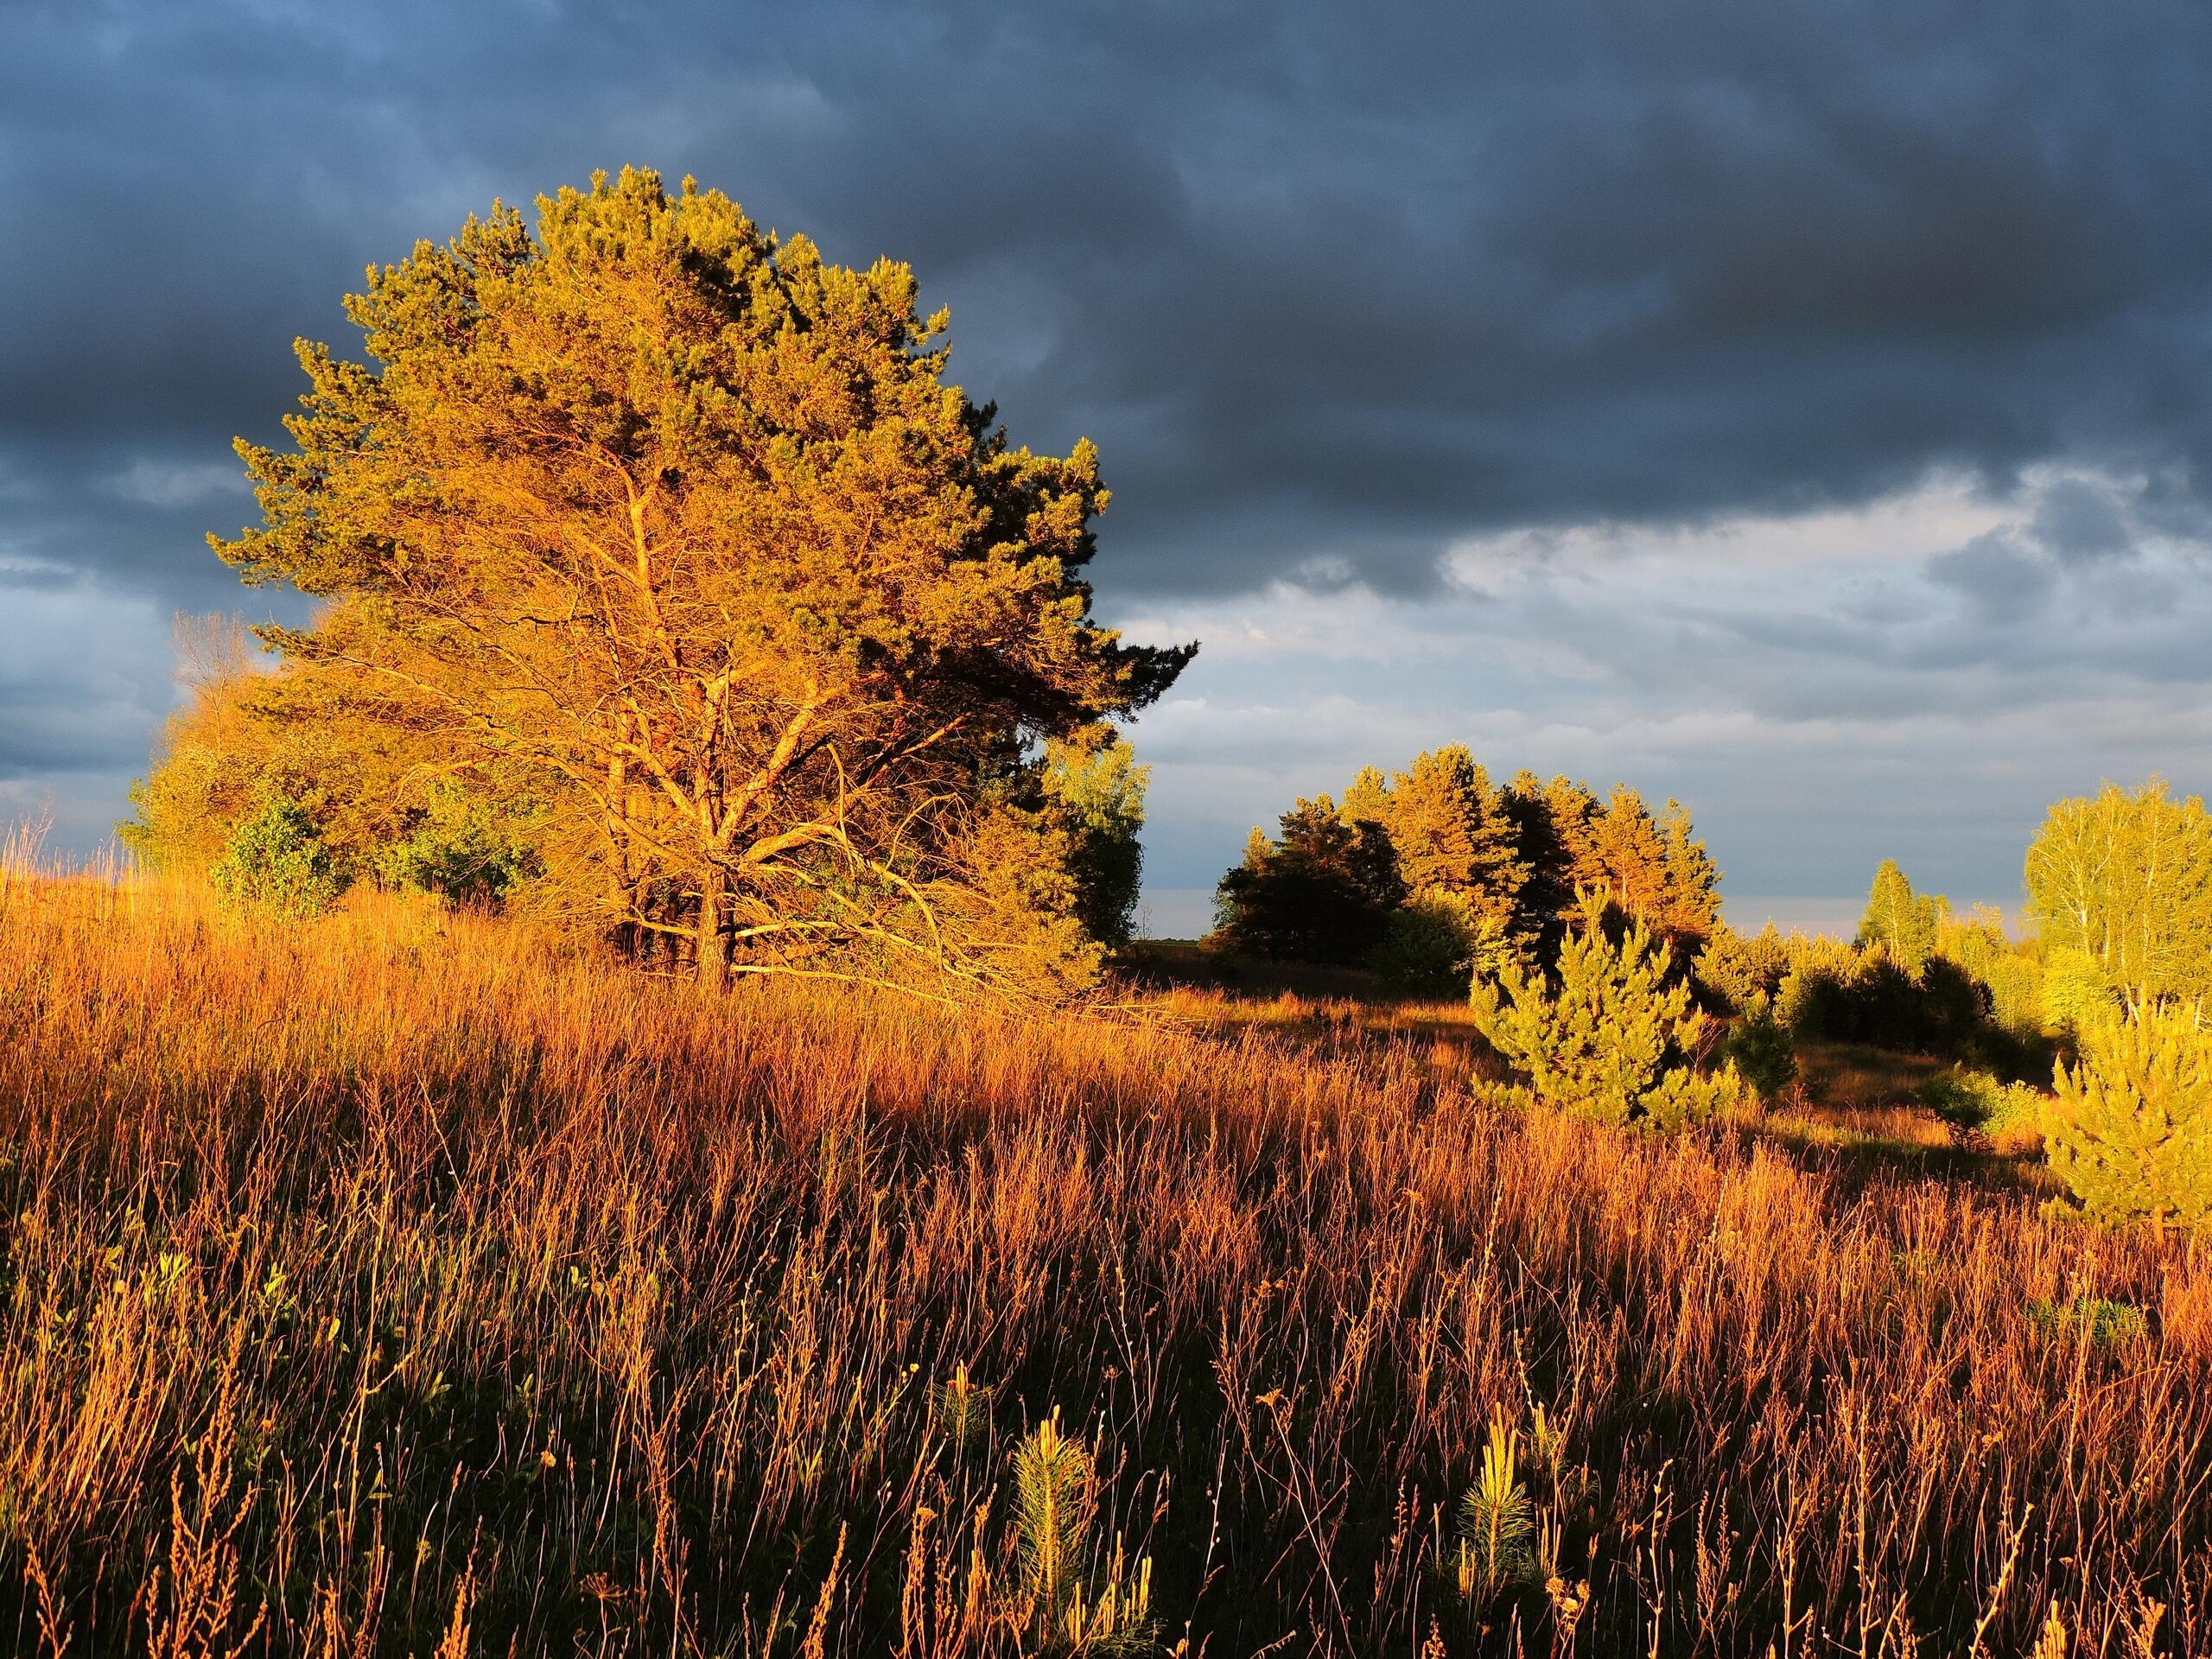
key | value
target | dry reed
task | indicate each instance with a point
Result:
(400, 1284)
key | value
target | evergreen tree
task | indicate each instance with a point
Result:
(1324, 892)
(1616, 1039)
(685, 524)
(1553, 837)
(1691, 910)
(1655, 869)
(1367, 799)
(2131, 1131)
(1450, 833)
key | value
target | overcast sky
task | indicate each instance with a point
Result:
(1801, 410)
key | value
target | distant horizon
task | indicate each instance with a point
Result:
(1187, 912)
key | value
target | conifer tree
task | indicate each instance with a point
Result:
(1615, 1037)
(1450, 833)
(2131, 1131)
(1324, 892)
(1553, 838)
(683, 524)
(1653, 868)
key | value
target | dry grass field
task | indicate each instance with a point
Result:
(398, 1284)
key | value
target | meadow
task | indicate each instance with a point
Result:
(401, 1282)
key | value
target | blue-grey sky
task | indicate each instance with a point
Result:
(1803, 410)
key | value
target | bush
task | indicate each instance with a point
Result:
(1616, 1041)
(1977, 1102)
(1436, 946)
(1427, 949)
(1839, 993)
(275, 859)
(461, 853)
(1759, 1047)
(2131, 1131)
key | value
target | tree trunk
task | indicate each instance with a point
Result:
(714, 948)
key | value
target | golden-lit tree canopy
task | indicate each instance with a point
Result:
(2121, 884)
(683, 524)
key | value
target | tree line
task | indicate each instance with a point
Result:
(1434, 873)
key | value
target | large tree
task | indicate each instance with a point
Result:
(685, 525)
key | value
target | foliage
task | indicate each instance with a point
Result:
(1324, 891)
(2100, 1321)
(2012, 974)
(521, 1280)
(1760, 1048)
(1437, 942)
(683, 522)
(1508, 862)
(462, 850)
(1099, 790)
(2123, 883)
(2076, 994)
(251, 732)
(1975, 1100)
(275, 859)
(2131, 1131)
(1497, 1524)
(1739, 970)
(1653, 868)
(1448, 828)
(1904, 923)
(1427, 950)
(1840, 993)
(1615, 1041)
(1055, 1510)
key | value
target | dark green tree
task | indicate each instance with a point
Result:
(1324, 891)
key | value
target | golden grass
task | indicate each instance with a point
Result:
(399, 1284)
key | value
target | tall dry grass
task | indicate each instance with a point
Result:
(398, 1284)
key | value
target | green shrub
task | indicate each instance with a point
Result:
(1976, 1101)
(275, 859)
(1426, 951)
(461, 852)
(2131, 1131)
(1737, 970)
(1842, 994)
(1615, 1041)
(1759, 1047)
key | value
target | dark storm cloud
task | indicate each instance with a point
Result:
(1332, 286)
(2004, 582)
(2077, 521)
